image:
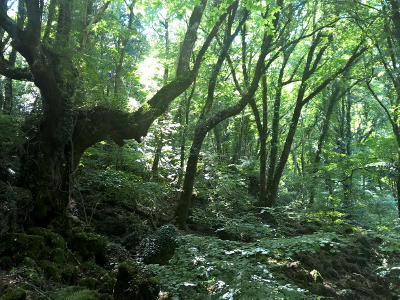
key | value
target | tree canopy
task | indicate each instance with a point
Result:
(234, 105)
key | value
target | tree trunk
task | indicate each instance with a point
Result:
(1, 95)
(185, 199)
(336, 94)
(273, 189)
(398, 185)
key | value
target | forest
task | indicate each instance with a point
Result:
(199, 149)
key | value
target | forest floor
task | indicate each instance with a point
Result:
(280, 253)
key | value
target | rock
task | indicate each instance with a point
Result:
(88, 282)
(88, 246)
(6, 263)
(159, 247)
(14, 294)
(50, 270)
(21, 245)
(52, 239)
(135, 281)
(69, 274)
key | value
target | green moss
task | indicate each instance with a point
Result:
(21, 245)
(52, 239)
(135, 281)
(69, 274)
(106, 283)
(89, 245)
(63, 226)
(77, 293)
(6, 262)
(50, 270)
(14, 294)
(29, 262)
(58, 256)
(88, 282)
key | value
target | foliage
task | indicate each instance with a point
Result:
(159, 247)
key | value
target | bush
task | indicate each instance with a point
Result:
(160, 246)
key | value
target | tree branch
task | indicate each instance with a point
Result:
(22, 74)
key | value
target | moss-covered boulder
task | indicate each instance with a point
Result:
(135, 281)
(89, 282)
(6, 263)
(160, 246)
(15, 203)
(69, 274)
(21, 245)
(51, 270)
(55, 244)
(13, 294)
(52, 239)
(88, 246)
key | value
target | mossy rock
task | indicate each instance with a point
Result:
(29, 262)
(6, 263)
(88, 246)
(51, 270)
(135, 281)
(63, 226)
(69, 274)
(160, 246)
(79, 293)
(14, 294)
(88, 282)
(21, 245)
(57, 255)
(52, 239)
(106, 283)
(116, 253)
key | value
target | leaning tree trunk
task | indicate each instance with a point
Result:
(185, 200)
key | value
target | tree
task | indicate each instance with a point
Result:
(208, 121)
(318, 46)
(64, 132)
